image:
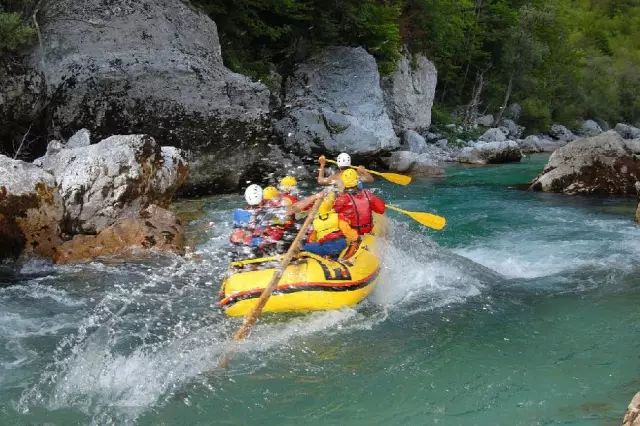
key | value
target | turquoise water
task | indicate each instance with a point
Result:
(523, 311)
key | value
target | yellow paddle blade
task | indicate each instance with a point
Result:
(427, 219)
(391, 177)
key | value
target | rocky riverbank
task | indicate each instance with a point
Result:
(81, 201)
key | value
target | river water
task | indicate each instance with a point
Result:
(523, 311)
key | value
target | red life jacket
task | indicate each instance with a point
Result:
(356, 209)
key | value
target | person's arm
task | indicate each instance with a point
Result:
(365, 176)
(350, 233)
(304, 204)
(377, 205)
(322, 180)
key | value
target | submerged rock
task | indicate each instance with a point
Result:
(153, 67)
(632, 415)
(100, 183)
(334, 103)
(153, 229)
(409, 92)
(490, 153)
(603, 164)
(30, 210)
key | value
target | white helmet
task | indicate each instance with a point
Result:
(343, 160)
(253, 195)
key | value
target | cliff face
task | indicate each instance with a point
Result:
(155, 67)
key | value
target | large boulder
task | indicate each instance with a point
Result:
(413, 142)
(414, 164)
(627, 131)
(493, 135)
(632, 415)
(30, 209)
(153, 67)
(22, 100)
(539, 143)
(514, 131)
(334, 103)
(152, 229)
(102, 182)
(560, 132)
(590, 128)
(603, 164)
(409, 92)
(485, 120)
(491, 153)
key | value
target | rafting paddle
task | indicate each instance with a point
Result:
(391, 177)
(253, 315)
(426, 219)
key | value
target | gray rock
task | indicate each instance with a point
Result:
(81, 138)
(632, 414)
(415, 164)
(30, 209)
(590, 128)
(493, 135)
(514, 131)
(334, 103)
(602, 164)
(22, 100)
(491, 153)
(105, 181)
(432, 137)
(485, 120)
(540, 143)
(409, 93)
(442, 143)
(152, 67)
(627, 131)
(414, 142)
(513, 112)
(560, 132)
(530, 144)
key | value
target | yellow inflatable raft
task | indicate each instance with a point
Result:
(310, 283)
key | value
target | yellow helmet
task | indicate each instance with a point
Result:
(327, 204)
(288, 182)
(269, 193)
(349, 178)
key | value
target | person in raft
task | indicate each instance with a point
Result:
(357, 205)
(288, 187)
(330, 233)
(246, 223)
(344, 162)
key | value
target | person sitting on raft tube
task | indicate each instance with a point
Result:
(344, 162)
(246, 222)
(356, 205)
(331, 234)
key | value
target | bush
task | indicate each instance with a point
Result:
(14, 34)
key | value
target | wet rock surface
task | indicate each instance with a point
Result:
(602, 164)
(153, 229)
(31, 209)
(632, 415)
(414, 164)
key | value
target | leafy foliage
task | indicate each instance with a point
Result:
(562, 61)
(14, 34)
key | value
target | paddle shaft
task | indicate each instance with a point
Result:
(251, 318)
(373, 172)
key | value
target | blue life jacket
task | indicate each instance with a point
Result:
(241, 218)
